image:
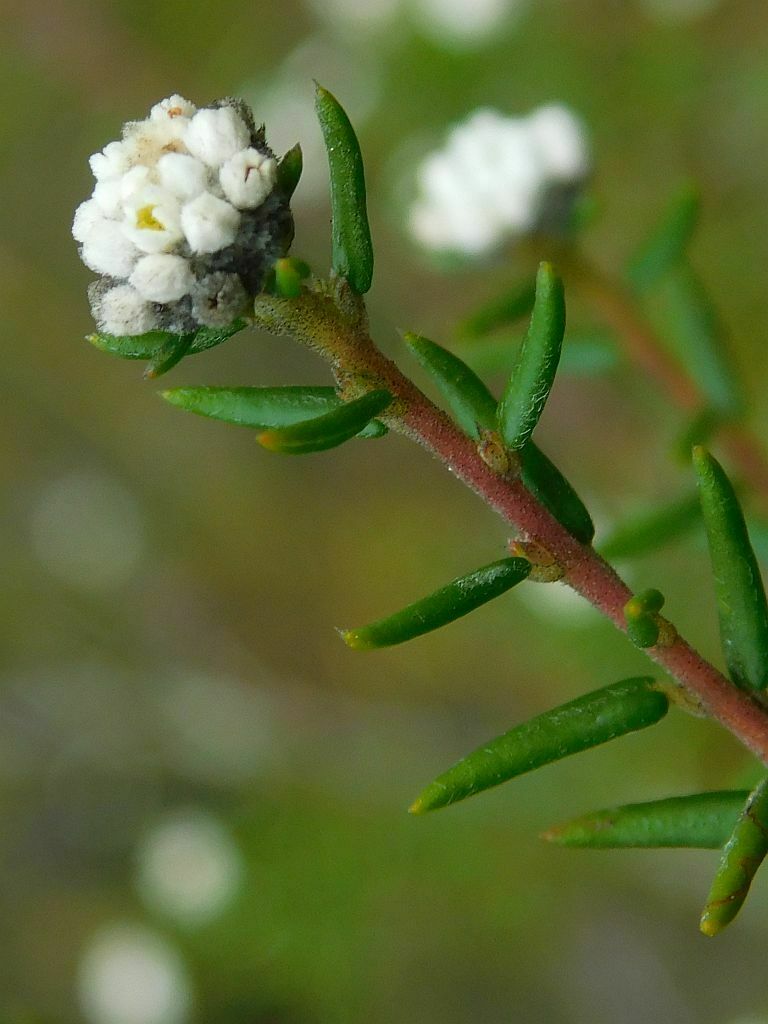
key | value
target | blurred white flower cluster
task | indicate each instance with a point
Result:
(184, 219)
(498, 178)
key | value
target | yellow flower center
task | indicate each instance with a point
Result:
(145, 218)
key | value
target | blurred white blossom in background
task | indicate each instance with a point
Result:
(219, 730)
(130, 975)
(88, 530)
(351, 17)
(451, 24)
(498, 178)
(285, 101)
(188, 867)
(465, 23)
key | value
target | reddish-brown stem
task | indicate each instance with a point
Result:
(359, 365)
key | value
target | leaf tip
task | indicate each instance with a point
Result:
(269, 439)
(552, 835)
(709, 926)
(354, 640)
(418, 806)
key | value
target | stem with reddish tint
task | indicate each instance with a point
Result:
(359, 366)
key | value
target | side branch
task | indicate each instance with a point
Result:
(359, 365)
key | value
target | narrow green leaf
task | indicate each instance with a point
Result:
(640, 615)
(667, 245)
(651, 530)
(457, 598)
(586, 722)
(528, 389)
(289, 170)
(131, 346)
(702, 821)
(743, 854)
(148, 346)
(352, 255)
(585, 353)
(287, 276)
(210, 337)
(739, 589)
(682, 313)
(500, 312)
(174, 350)
(263, 408)
(646, 602)
(474, 407)
(469, 399)
(544, 480)
(327, 431)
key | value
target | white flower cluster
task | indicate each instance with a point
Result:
(499, 177)
(184, 219)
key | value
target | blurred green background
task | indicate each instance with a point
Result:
(202, 791)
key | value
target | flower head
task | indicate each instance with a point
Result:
(185, 220)
(497, 178)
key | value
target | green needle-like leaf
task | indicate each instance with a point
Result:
(174, 350)
(543, 479)
(327, 431)
(739, 589)
(500, 312)
(131, 346)
(148, 346)
(445, 605)
(469, 399)
(650, 531)
(668, 243)
(682, 313)
(528, 389)
(583, 723)
(287, 276)
(210, 337)
(640, 615)
(352, 255)
(289, 170)
(702, 821)
(263, 408)
(474, 407)
(742, 855)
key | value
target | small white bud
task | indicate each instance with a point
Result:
(209, 223)
(86, 216)
(152, 219)
(146, 141)
(561, 142)
(183, 175)
(214, 135)
(106, 195)
(121, 310)
(172, 107)
(162, 277)
(248, 177)
(106, 249)
(111, 162)
(135, 180)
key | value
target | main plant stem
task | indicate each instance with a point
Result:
(342, 338)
